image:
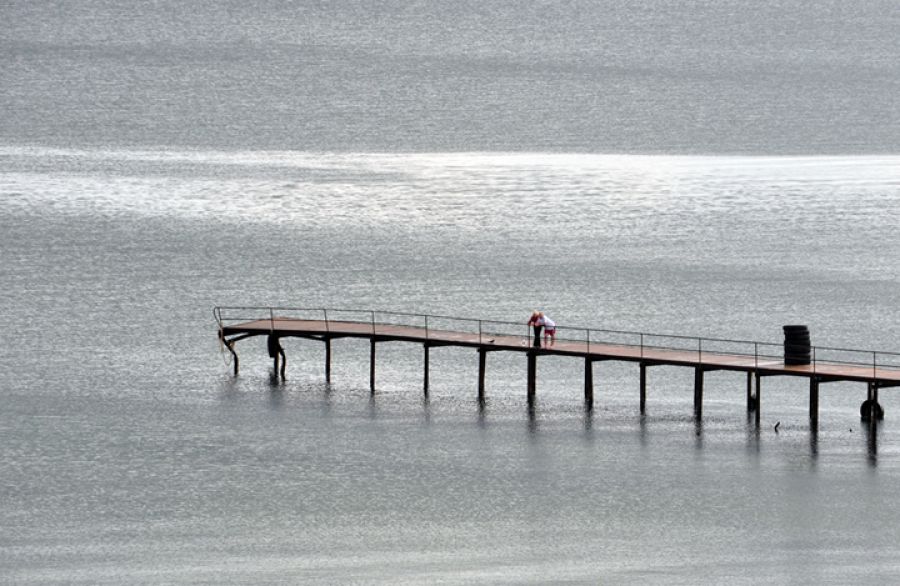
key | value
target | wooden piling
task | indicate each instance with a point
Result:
(230, 345)
(643, 387)
(532, 376)
(698, 391)
(814, 401)
(276, 352)
(758, 398)
(750, 405)
(372, 366)
(425, 382)
(328, 360)
(588, 384)
(482, 363)
(872, 401)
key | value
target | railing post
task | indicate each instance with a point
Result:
(325, 314)
(874, 364)
(700, 350)
(426, 327)
(479, 331)
(642, 345)
(756, 355)
(271, 319)
(373, 322)
(588, 340)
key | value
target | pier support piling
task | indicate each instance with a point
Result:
(588, 384)
(750, 404)
(230, 346)
(372, 366)
(425, 365)
(877, 411)
(643, 388)
(814, 401)
(328, 360)
(482, 363)
(758, 402)
(871, 410)
(698, 392)
(532, 376)
(275, 352)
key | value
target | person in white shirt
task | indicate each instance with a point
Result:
(549, 328)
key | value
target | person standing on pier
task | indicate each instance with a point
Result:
(535, 322)
(549, 328)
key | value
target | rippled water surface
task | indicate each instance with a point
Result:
(696, 168)
(131, 454)
(699, 77)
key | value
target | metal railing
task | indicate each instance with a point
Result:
(642, 342)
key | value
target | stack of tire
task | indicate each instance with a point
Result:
(796, 345)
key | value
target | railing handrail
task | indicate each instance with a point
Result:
(219, 312)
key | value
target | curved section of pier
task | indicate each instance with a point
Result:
(757, 359)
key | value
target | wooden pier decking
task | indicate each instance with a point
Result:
(494, 336)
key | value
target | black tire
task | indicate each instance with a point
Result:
(797, 330)
(865, 409)
(797, 349)
(797, 337)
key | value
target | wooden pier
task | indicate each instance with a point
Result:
(757, 359)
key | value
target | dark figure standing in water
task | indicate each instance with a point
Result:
(535, 322)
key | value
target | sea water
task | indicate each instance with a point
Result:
(691, 170)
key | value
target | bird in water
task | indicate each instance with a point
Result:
(777, 423)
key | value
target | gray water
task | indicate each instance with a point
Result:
(696, 76)
(711, 170)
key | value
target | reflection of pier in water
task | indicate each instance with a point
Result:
(756, 359)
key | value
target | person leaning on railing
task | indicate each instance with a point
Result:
(535, 322)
